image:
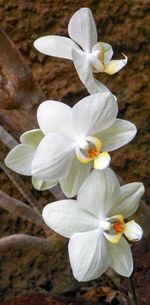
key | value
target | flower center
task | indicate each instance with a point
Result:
(95, 61)
(93, 152)
(89, 151)
(116, 230)
(118, 226)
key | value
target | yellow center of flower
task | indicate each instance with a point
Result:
(93, 152)
(116, 227)
(89, 151)
(119, 226)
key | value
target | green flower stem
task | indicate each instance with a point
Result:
(131, 291)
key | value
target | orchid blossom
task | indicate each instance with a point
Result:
(20, 158)
(78, 139)
(70, 142)
(88, 55)
(96, 225)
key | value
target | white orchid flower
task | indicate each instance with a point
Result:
(20, 158)
(96, 227)
(88, 55)
(78, 139)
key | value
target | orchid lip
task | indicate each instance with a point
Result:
(118, 227)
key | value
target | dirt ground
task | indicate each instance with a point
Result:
(123, 24)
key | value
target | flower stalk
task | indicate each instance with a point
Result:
(131, 291)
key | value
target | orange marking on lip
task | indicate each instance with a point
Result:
(118, 226)
(93, 153)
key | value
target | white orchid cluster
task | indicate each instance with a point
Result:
(71, 147)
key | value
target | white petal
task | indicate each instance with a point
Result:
(76, 176)
(133, 231)
(55, 46)
(98, 193)
(32, 137)
(97, 87)
(115, 65)
(41, 185)
(106, 51)
(54, 116)
(19, 159)
(119, 134)
(66, 218)
(53, 157)
(82, 29)
(102, 161)
(128, 199)
(85, 73)
(121, 255)
(94, 113)
(88, 255)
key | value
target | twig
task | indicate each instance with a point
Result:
(9, 203)
(57, 193)
(131, 292)
(20, 94)
(20, 209)
(19, 183)
(115, 278)
(23, 241)
(7, 138)
(21, 186)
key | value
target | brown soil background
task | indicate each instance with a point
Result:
(123, 24)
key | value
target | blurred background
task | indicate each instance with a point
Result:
(28, 266)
